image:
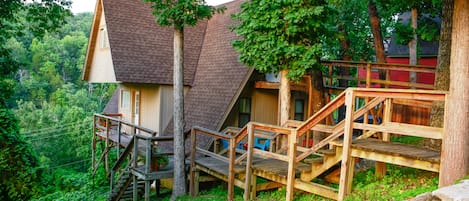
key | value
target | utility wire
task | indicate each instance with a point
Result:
(54, 127)
(52, 131)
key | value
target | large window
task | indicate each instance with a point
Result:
(125, 99)
(244, 111)
(299, 109)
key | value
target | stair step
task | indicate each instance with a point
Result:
(314, 160)
(329, 152)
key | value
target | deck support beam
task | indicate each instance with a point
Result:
(346, 172)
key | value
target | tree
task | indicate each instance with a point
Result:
(179, 14)
(281, 37)
(455, 152)
(18, 162)
(377, 35)
(444, 56)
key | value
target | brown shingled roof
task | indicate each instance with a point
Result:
(142, 51)
(219, 77)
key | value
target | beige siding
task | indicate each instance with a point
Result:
(156, 105)
(149, 105)
(264, 106)
(102, 69)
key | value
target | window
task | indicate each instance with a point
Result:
(244, 111)
(103, 38)
(125, 99)
(299, 109)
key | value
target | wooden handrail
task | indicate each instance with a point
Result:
(140, 128)
(378, 66)
(321, 114)
(384, 66)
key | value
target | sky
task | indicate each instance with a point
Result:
(80, 6)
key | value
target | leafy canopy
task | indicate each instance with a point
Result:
(181, 13)
(278, 35)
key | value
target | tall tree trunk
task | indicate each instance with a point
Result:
(413, 46)
(377, 36)
(455, 152)
(179, 183)
(444, 56)
(319, 100)
(284, 97)
(344, 71)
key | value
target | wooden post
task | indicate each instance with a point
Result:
(108, 145)
(368, 75)
(134, 161)
(93, 145)
(285, 97)
(253, 187)
(148, 161)
(388, 78)
(346, 172)
(247, 183)
(119, 126)
(231, 167)
(192, 181)
(380, 167)
(291, 165)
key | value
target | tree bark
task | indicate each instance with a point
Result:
(376, 31)
(377, 36)
(319, 100)
(455, 151)
(344, 71)
(285, 97)
(413, 46)
(444, 55)
(179, 183)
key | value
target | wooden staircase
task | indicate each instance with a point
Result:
(296, 167)
(124, 187)
(131, 148)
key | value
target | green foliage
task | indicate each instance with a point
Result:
(281, 35)
(350, 24)
(181, 13)
(18, 163)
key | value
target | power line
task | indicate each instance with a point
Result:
(53, 136)
(65, 164)
(51, 131)
(54, 127)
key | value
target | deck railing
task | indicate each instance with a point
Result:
(344, 130)
(369, 68)
(139, 144)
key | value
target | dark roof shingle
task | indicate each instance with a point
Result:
(219, 75)
(142, 51)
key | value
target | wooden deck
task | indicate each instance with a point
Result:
(395, 153)
(287, 167)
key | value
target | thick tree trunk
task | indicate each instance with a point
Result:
(284, 97)
(455, 151)
(376, 31)
(319, 100)
(377, 36)
(345, 43)
(413, 46)
(179, 185)
(444, 56)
